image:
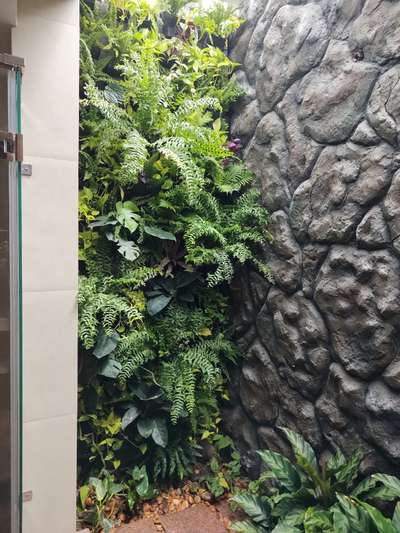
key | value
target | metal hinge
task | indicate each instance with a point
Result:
(11, 146)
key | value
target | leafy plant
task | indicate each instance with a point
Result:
(303, 497)
(167, 216)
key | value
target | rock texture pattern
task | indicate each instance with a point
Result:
(321, 125)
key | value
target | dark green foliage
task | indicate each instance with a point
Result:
(303, 497)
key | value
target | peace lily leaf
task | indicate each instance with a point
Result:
(160, 432)
(340, 521)
(281, 469)
(145, 427)
(110, 369)
(246, 527)
(126, 217)
(130, 416)
(106, 344)
(396, 518)
(383, 524)
(159, 233)
(303, 451)
(157, 304)
(389, 482)
(256, 507)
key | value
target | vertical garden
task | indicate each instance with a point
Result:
(168, 215)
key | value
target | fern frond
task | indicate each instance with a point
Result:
(175, 149)
(233, 179)
(135, 155)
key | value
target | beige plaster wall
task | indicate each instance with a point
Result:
(47, 36)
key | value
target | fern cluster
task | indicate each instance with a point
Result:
(167, 217)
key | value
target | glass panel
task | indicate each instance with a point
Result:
(5, 318)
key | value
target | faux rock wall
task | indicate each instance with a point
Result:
(321, 125)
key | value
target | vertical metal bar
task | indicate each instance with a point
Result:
(14, 314)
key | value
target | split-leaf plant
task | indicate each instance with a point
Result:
(302, 497)
(167, 215)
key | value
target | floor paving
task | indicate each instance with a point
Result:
(197, 519)
(140, 526)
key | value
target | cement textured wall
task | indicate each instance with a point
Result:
(321, 123)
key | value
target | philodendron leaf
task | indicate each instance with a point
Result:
(143, 486)
(256, 507)
(159, 233)
(106, 344)
(145, 427)
(130, 416)
(281, 469)
(110, 368)
(129, 249)
(103, 220)
(160, 432)
(157, 304)
(126, 217)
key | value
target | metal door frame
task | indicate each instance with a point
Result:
(15, 65)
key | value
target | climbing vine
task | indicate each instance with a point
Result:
(166, 218)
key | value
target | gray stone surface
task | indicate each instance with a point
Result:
(321, 125)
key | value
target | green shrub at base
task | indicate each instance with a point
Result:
(303, 497)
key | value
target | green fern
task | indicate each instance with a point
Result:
(135, 155)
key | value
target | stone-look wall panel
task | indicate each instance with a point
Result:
(321, 126)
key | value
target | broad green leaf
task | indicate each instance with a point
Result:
(347, 473)
(126, 217)
(364, 487)
(159, 233)
(83, 494)
(256, 507)
(357, 517)
(157, 304)
(304, 453)
(129, 249)
(282, 469)
(281, 528)
(317, 521)
(102, 221)
(115, 488)
(145, 427)
(335, 462)
(106, 344)
(143, 486)
(130, 416)
(110, 368)
(391, 483)
(160, 432)
(144, 392)
(340, 521)
(100, 489)
(247, 527)
(383, 524)
(396, 517)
